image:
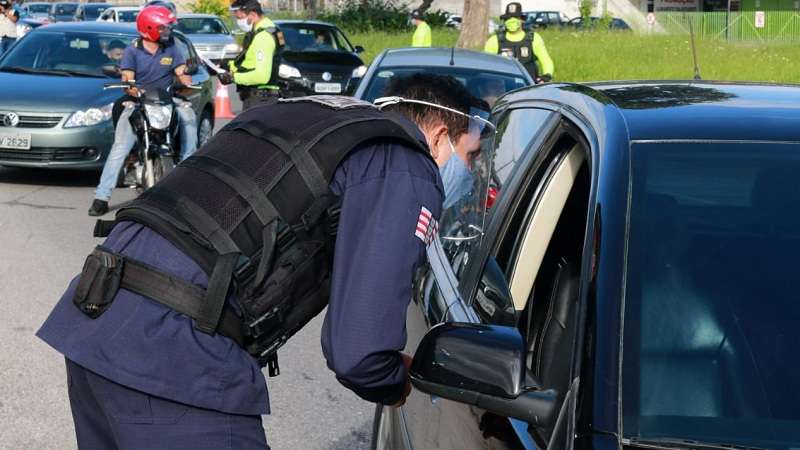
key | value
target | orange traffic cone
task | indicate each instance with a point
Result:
(222, 103)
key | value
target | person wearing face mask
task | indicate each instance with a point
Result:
(422, 34)
(255, 70)
(329, 200)
(155, 62)
(528, 48)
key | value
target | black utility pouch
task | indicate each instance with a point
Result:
(99, 282)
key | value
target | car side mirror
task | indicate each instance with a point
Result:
(359, 49)
(110, 70)
(483, 366)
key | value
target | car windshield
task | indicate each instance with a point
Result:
(127, 16)
(711, 307)
(64, 53)
(39, 9)
(92, 12)
(483, 84)
(66, 9)
(201, 26)
(310, 38)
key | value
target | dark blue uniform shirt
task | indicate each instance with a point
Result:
(146, 346)
(152, 71)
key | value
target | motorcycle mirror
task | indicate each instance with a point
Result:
(110, 70)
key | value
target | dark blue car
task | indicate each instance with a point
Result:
(633, 285)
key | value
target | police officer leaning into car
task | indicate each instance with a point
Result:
(255, 70)
(527, 47)
(142, 376)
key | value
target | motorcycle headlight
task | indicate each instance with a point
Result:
(287, 71)
(359, 72)
(233, 48)
(89, 117)
(159, 116)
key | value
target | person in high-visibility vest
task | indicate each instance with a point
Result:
(422, 36)
(526, 47)
(255, 70)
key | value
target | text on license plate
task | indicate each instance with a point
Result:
(19, 141)
(328, 88)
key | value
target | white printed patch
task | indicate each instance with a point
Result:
(427, 226)
(260, 55)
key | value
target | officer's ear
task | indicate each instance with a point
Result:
(437, 137)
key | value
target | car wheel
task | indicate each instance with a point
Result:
(205, 128)
(381, 429)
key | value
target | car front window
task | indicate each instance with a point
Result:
(73, 53)
(312, 39)
(39, 9)
(64, 10)
(711, 304)
(92, 12)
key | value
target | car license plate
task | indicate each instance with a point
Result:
(17, 141)
(328, 88)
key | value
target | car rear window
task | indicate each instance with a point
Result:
(483, 84)
(711, 304)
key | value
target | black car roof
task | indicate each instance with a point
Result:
(316, 23)
(441, 57)
(96, 27)
(684, 110)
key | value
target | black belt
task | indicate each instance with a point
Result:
(171, 291)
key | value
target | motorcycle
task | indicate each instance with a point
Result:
(155, 122)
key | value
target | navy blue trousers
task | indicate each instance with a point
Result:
(109, 416)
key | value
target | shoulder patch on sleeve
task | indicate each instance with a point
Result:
(427, 226)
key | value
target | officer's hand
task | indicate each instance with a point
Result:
(544, 79)
(407, 390)
(225, 77)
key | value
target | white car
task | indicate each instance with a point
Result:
(120, 14)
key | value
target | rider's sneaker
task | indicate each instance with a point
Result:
(99, 207)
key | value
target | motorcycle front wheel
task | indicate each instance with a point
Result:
(160, 167)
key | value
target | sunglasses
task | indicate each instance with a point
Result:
(478, 122)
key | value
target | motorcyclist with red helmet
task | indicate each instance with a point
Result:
(154, 62)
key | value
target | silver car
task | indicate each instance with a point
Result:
(211, 38)
(57, 114)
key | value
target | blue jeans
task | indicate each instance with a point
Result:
(125, 139)
(6, 43)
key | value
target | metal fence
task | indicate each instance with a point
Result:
(734, 25)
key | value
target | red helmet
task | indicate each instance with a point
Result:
(151, 18)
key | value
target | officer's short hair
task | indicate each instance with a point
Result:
(439, 89)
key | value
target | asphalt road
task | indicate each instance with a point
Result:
(45, 234)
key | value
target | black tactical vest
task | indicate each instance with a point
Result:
(522, 51)
(253, 208)
(280, 43)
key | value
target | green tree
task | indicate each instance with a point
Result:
(216, 7)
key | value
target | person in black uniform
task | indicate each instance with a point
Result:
(141, 375)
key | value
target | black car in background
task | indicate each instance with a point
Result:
(485, 75)
(633, 286)
(544, 19)
(90, 11)
(616, 24)
(318, 59)
(63, 12)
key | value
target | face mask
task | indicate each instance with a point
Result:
(165, 37)
(513, 24)
(456, 178)
(244, 25)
